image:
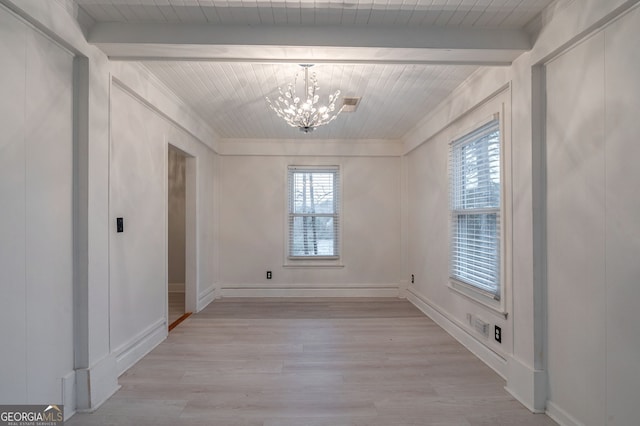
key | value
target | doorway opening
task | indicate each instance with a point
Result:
(178, 237)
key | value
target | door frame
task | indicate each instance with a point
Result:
(191, 245)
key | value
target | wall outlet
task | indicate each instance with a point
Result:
(268, 275)
(497, 334)
(413, 279)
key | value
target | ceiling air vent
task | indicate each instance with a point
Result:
(350, 104)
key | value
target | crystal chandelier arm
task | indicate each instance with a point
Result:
(305, 113)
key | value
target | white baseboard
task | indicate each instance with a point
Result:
(205, 298)
(69, 394)
(560, 416)
(492, 359)
(320, 291)
(527, 385)
(94, 385)
(176, 288)
(131, 352)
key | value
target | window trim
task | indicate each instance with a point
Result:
(470, 291)
(314, 261)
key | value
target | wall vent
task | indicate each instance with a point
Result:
(350, 104)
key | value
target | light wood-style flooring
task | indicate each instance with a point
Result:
(176, 306)
(310, 362)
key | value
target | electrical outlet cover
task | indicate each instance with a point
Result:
(497, 334)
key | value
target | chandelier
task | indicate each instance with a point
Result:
(303, 111)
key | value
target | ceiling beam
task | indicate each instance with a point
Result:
(316, 44)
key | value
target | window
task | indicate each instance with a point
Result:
(475, 190)
(313, 212)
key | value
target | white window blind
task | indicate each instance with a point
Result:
(314, 212)
(475, 209)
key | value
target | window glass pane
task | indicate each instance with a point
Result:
(480, 167)
(312, 236)
(476, 173)
(313, 192)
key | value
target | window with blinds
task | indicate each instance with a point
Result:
(475, 209)
(314, 212)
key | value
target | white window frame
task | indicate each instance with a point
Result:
(315, 260)
(474, 292)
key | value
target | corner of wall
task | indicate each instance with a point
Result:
(206, 297)
(560, 416)
(96, 384)
(134, 350)
(69, 394)
(460, 102)
(527, 385)
(139, 82)
(485, 354)
(403, 289)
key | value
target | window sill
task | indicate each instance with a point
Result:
(313, 263)
(479, 297)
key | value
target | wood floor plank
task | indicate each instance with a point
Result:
(176, 306)
(310, 362)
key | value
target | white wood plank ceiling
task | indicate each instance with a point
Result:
(428, 49)
(467, 13)
(231, 96)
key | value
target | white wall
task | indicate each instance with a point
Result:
(75, 296)
(593, 228)
(36, 238)
(592, 353)
(252, 235)
(140, 136)
(622, 205)
(576, 231)
(428, 222)
(137, 259)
